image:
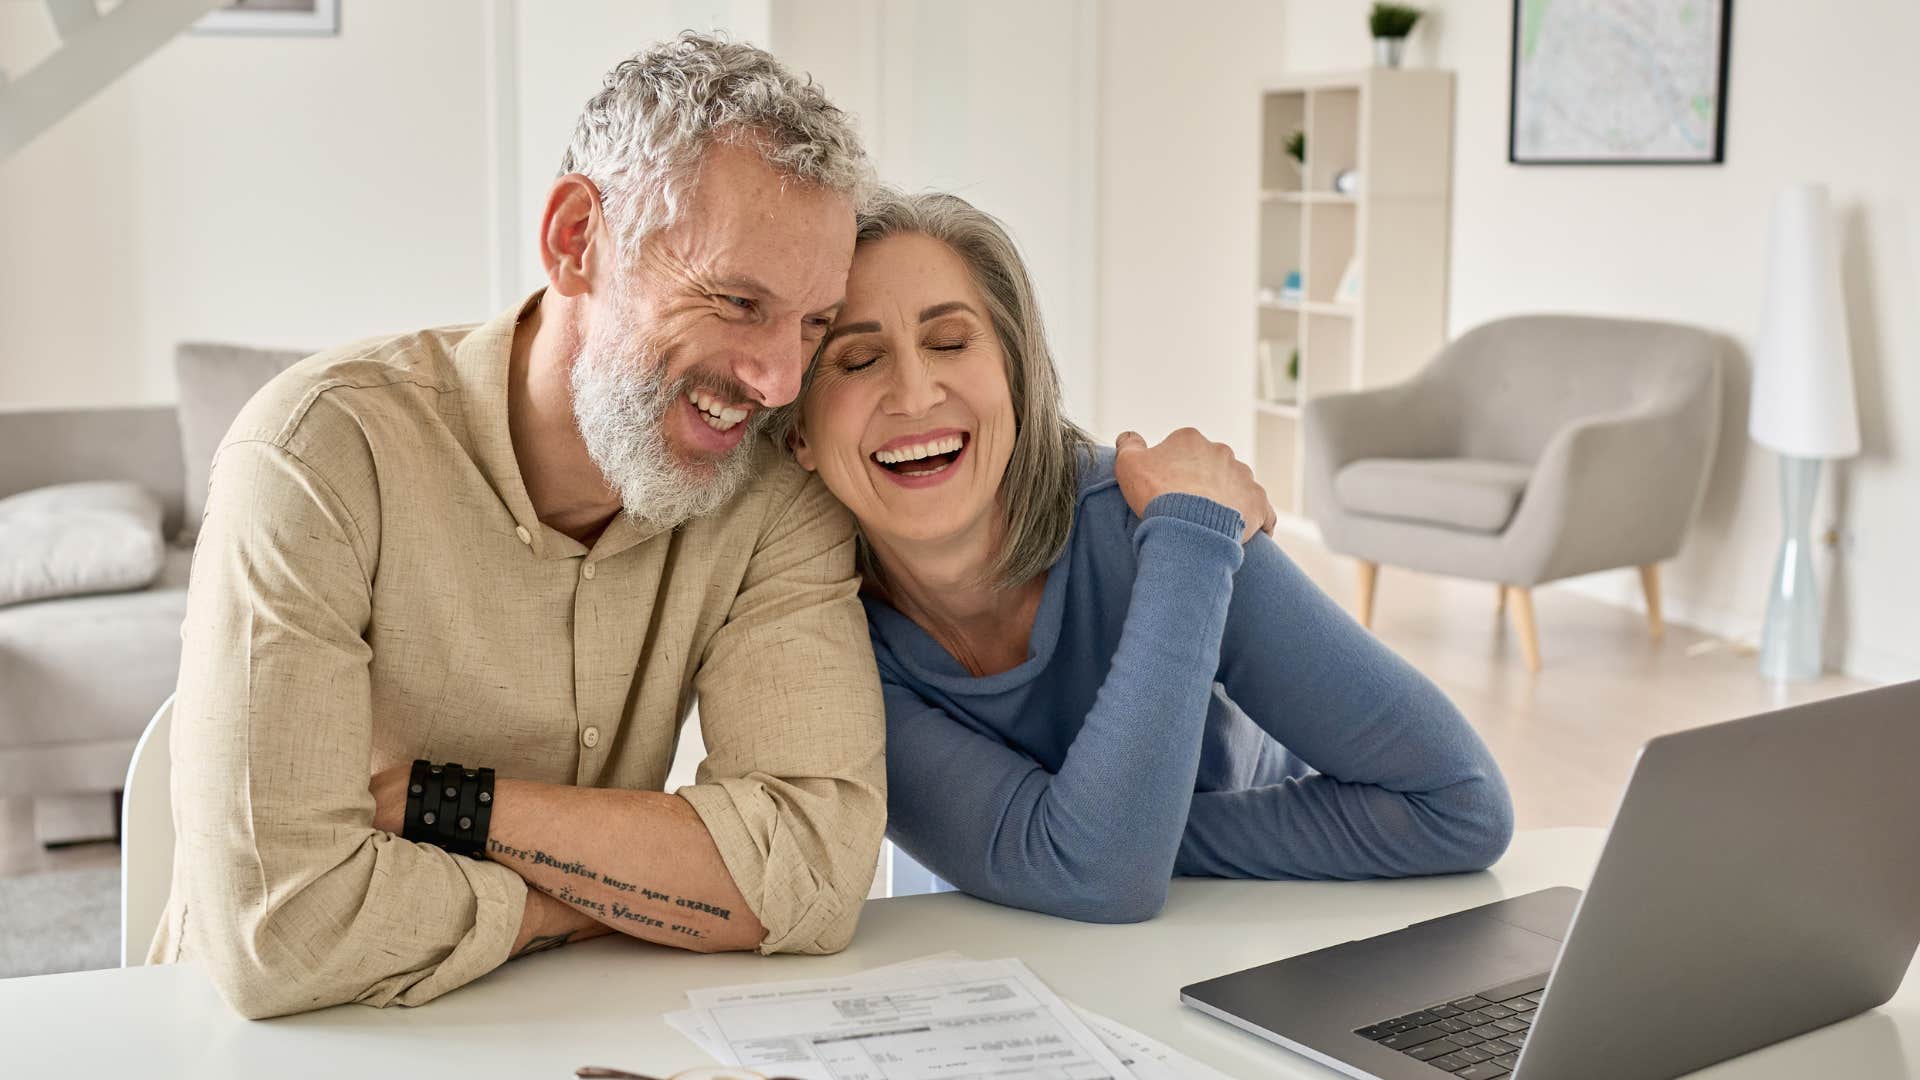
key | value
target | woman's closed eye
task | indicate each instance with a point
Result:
(856, 360)
(948, 335)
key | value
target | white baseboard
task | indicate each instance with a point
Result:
(1623, 590)
(1879, 665)
(1298, 528)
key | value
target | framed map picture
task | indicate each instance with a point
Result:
(1619, 82)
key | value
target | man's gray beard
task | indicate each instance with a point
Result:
(620, 405)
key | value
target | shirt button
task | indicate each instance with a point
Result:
(521, 532)
(590, 738)
(587, 572)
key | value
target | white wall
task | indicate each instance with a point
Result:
(993, 100)
(303, 192)
(1179, 163)
(277, 191)
(1815, 93)
(563, 50)
(298, 192)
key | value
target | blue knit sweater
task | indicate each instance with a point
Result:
(1188, 706)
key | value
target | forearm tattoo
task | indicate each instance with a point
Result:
(666, 905)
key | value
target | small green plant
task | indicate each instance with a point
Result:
(1297, 146)
(1393, 20)
(1293, 366)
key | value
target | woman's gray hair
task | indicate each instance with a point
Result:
(1043, 476)
(641, 137)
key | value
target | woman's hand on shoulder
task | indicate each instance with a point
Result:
(1187, 462)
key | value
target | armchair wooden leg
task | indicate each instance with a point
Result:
(1522, 605)
(1369, 575)
(1650, 586)
(1500, 599)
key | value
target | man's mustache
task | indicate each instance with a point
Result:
(723, 387)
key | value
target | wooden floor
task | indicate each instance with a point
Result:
(1566, 737)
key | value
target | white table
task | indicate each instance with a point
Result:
(599, 1003)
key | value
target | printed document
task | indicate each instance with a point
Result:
(950, 1021)
(939, 1016)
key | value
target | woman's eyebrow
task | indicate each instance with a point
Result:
(950, 306)
(849, 328)
(934, 312)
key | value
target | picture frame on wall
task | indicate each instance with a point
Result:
(273, 18)
(1596, 82)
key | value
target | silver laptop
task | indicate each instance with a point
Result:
(1761, 879)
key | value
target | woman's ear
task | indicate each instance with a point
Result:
(802, 453)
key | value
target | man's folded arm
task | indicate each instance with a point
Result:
(294, 900)
(774, 847)
(793, 787)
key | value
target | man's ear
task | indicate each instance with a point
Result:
(573, 235)
(802, 453)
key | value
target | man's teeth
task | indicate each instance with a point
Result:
(949, 445)
(719, 417)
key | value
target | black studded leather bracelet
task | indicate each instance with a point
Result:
(449, 806)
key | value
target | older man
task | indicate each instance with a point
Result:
(518, 552)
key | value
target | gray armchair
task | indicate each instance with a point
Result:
(1531, 449)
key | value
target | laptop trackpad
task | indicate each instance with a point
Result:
(1459, 953)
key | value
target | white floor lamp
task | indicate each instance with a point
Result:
(1803, 408)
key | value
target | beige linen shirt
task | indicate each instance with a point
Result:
(371, 585)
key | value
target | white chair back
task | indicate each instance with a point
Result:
(146, 838)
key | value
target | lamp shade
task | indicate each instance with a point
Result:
(1803, 404)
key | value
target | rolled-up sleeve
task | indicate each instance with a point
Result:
(292, 900)
(793, 787)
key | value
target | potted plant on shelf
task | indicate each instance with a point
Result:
(1297, 150)
(1391, 23)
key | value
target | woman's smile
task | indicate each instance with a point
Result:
(923, 460)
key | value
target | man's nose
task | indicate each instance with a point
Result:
(774, 361)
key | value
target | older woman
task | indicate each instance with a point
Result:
(1098, 672)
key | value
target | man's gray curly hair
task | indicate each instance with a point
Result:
(641, 137)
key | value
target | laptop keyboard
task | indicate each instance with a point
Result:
(1475, 1037)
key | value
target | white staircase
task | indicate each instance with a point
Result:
(95, 49)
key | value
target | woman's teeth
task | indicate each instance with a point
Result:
(719, 417)
(949, 445)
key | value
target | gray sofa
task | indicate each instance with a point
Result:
(80, 676)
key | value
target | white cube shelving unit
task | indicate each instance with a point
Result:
(1394, 128)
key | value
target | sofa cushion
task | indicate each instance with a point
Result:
(216, 381)
(1455, 493)
(91, 668)
(74, 539)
